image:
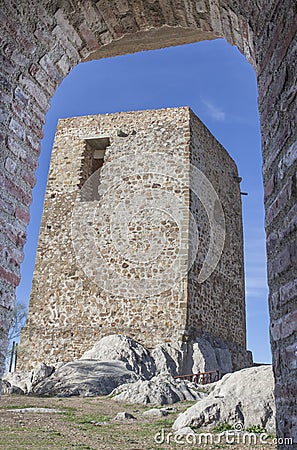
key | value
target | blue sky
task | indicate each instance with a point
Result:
(216, 81)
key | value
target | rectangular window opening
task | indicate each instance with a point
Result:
(95, 148)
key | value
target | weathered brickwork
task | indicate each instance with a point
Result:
(72, 304)
(40, 43)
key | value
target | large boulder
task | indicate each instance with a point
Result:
(86, 378)
(123, 348)
(8, 388)
(245, 396)
(200, 355)
(224, 361)
(160, 390)
(16, 383)
(41, 372)
(175, 358)
(168, 358)
(24, 382)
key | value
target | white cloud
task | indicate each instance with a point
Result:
(260, 294)
(214, 111)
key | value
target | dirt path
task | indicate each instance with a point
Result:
(87, 423)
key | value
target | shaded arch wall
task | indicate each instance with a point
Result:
(41, 42)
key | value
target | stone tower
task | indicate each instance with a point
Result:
(141, 235)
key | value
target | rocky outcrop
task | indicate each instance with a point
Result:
(156, 413)
(87, 378)
(160, 390)
(120, 366)
(169, 358)
(117, 360)
(123, 348)
(124, 416)
(24, 382)
(245, 396)
(173, 358)
(191, 357)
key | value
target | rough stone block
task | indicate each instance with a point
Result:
(10, 277)
(279, 203)
(283, 261)
(269, 187)
(89, 37)
(10, 165)
(67, 28)
(288, 292)
(22, 98)
(17, 128)
(23, 215)
(36, 92)
(69, 49)
(50, 68)
(284, 327)
(17, 192)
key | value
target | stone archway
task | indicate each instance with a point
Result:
(41, 42)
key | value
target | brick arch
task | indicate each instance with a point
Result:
(43, 41)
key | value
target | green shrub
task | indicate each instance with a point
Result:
(223, 426)
(255, 429)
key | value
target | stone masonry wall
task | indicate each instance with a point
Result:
(68, 310)
(217, 306)
(40, 43)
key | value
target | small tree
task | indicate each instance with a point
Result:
(18, 322)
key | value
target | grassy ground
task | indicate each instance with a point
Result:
(87, 424)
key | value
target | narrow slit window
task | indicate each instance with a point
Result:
(95, 148)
